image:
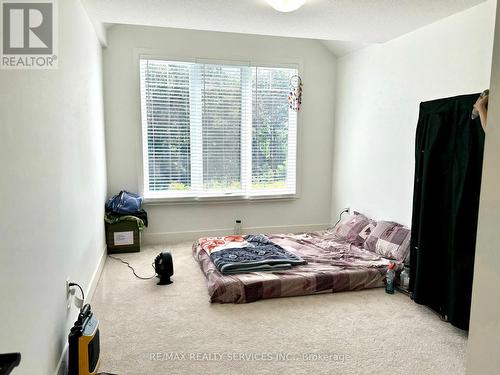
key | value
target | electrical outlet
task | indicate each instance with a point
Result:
(68, 294)
(237, 227)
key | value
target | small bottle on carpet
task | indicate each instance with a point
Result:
(389, 278)
(405, 278)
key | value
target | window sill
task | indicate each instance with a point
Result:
(218, 199)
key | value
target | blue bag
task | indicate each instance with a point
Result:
(124, 203)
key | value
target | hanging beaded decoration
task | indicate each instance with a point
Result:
(295, 95)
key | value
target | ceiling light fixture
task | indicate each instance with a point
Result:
(286, 5)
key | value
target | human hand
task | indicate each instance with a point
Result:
(482, 103)
(481, 107)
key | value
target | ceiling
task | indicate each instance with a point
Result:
(359, 21)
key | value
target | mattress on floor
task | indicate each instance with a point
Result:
(333, 266)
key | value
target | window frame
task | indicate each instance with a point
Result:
(183, 198)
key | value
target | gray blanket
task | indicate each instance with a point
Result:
(261, 254)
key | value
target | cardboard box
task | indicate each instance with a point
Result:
(123, 237)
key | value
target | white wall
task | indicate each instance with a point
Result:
(484, 334)
(379, 89)
(123, 124)
(53, 186)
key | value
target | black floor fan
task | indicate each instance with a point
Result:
(164, 267)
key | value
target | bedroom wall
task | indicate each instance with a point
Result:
(484, 334)
(171, 222)
(379, 89)
(53, 189)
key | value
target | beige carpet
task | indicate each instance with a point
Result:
(150, 329)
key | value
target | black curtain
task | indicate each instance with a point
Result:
(449, 159)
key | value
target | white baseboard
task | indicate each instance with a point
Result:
(175, 237)
(96, 275)
(62, 365)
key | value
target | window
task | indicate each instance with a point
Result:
(214, 130)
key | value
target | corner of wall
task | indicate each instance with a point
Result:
(99, 27)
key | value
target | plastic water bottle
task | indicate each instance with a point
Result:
(389, 277)
(405, 278)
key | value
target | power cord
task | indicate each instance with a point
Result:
(132, 268)
(79, 287)
(346, 210)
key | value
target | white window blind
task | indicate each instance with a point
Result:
(216, 130)
(273, 131)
